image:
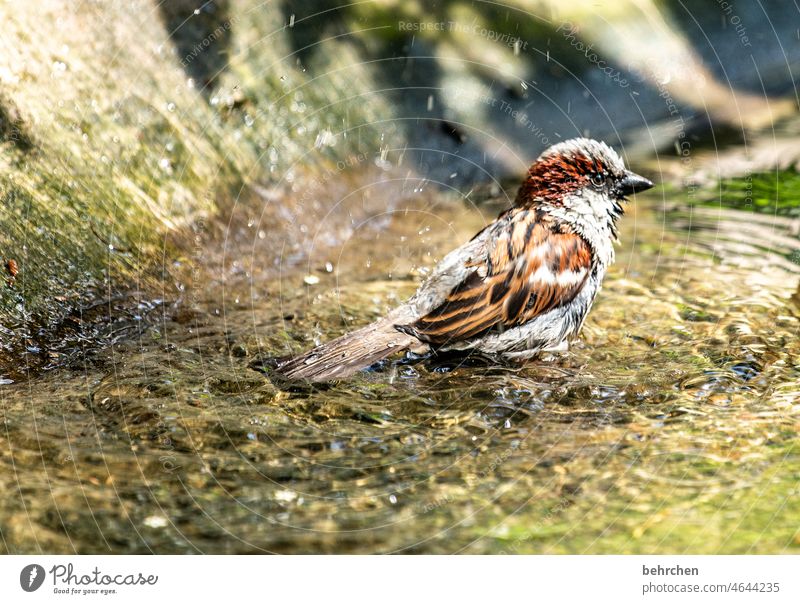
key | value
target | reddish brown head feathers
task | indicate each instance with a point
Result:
(567, 168)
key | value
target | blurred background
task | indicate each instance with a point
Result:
(169, 111)
(188, 187)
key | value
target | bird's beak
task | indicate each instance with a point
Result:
(632, 183)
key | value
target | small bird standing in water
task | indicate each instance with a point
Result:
(522, 285)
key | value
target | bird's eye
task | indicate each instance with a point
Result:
(598, 179)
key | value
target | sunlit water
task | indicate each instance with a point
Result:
(671, 426)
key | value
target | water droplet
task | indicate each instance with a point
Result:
(324, 139)
(156, 522)
(285, 495)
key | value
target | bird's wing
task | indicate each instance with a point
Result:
(529, 267)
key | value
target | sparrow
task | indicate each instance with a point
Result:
(523, 284)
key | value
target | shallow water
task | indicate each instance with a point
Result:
(671, 426)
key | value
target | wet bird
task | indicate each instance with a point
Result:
(522, 285)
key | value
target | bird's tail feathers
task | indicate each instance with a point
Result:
(351, 352)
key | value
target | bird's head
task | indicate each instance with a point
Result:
(581, 176)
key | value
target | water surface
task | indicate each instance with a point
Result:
(670, 427)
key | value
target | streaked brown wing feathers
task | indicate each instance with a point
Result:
(530, 268)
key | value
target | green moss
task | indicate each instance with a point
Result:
(753, 516)
(775, 192)
(113, 137)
